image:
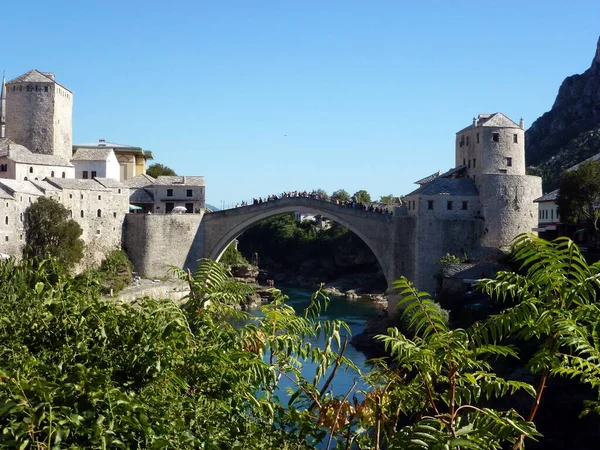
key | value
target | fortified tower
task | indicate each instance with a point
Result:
(39, 114)
(492, 151)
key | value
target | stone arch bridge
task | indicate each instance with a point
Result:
(402, 245)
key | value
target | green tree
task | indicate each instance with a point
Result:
(157, 169)
(362, 196)
(387, 199)
(49, 231)
(580, 193)
(322, 193)
(555, 306)
(340, 195)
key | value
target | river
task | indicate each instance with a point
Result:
(355, 313)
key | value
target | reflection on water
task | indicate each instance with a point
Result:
(355, 313)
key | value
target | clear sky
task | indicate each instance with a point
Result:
(266, 96)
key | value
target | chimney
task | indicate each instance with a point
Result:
(49, 75)
(522, 123)
(102, 143)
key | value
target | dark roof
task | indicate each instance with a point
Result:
(141, 195)
(454, 171)
(20, 154)
(75, 183)
(496, 120)
(165, 180)
(139, 181)
(596, 157)
(429, 178)
(92, 154)
(110, 183)
(448, 186)
(35, 76)
(102, 144)
(549, 197)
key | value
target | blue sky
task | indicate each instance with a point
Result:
(266, 96)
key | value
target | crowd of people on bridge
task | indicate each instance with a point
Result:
(317, 195)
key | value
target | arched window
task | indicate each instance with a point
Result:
(82, 213)
(31, 169)
(99, 213)
(71, 213)
(63, 175)
(52, 174)
(6, 220)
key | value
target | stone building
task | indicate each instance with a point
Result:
(163, 194)
(132, 160)
(39, 114)
(95, 163)
(18, 163)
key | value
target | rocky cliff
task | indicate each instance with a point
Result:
(576, 111)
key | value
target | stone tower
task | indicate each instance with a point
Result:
(39, 114)
(3, 107)
(492, 150)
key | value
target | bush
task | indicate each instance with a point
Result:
(232, 256)
(115, 272)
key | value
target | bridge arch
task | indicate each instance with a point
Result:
(251, 215)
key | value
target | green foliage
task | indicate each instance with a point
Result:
(115, 272)
(340, 195)
(449, 259)
(50, 232)
(322, 193)
(157, 169)
(362, 196)
(388, 199)
(442, 378)
(580, 193)
(554, 304)
(232, 256)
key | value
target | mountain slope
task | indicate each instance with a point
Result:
(576, 111)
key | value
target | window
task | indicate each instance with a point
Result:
(469, 164)
(21, 217)
(188, 193)
(46, 88)
(169, 207)
(552, 214)
(31, 169)
(85, 174)
(515, 138)
(6, 220)
(449, 205)
(169, 192)
(52, 174)
(71, 213)
(93, 174)
(502, 171)
(474, 161)
(25, 178)
(464, 162)
(189, 208)
(81, 213)
(99, 197)
(496, 137)
(114, 215)
(99, 213)
(63, 174)
(429, 204)
(97, 232)
(70, 195)
(413, 204)
(477, 138)
(6, 238)
(81, 196)
(509, 162)
(119, 191)
(462, 140)
(467, 140)
(464, 205)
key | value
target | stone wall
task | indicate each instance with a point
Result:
(507, 207)
(63, 123)
(156, 241)
(30, 115)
